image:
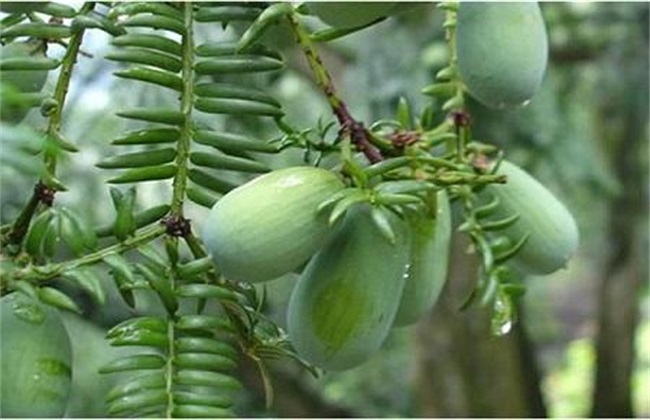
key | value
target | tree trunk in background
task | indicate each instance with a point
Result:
(464, 371)
(625, 267)
(619, 295)
(617, 319)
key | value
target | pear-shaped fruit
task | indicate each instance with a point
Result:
(553, 232)
(430, 238)
(344, 304)
(502, 51)
(36, 359)
(270, 225)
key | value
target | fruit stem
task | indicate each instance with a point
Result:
(359, 135)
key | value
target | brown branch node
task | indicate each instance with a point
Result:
(177, 225)
(44, 194)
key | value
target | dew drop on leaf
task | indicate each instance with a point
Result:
(501, 322)
(502, 327)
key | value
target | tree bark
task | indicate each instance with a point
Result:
(617, 319)
(623, 271)
(465, 371)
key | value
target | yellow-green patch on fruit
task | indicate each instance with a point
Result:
(430, 237)
(343, 306)
(350, 14)
(270, 226)
(35, 358)
(502, 51)
(553, 232)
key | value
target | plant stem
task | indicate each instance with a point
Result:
(169, 367)
(19, 228)
(195, 246)
(183, 149)
(21, 225)
(358, 133)
(457, 101)
(180, 185)
(61, 90)
(50, 271)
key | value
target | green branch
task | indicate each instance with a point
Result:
(358, 133)
(43, 273)
(21, 225)
(169, 367)
(179, 186)
(19, 228)
(61, 90)
(183, 150)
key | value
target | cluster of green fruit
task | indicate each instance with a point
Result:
(502, 48)
(357, 283)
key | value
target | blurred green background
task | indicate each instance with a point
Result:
(582, 344)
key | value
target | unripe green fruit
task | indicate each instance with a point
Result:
(343, 306)
(350, 14)
(553, 232)
(502, 51)
(431, 235)
(270, 226)
(36, 359)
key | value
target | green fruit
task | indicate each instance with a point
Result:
(270, 226)
(502, 51)
(427, 272)
(350, 15)
(91, 352)
(36, 359)
(344, 304)
(553, 231)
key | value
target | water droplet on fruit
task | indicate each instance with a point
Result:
(36, 377)
(29, 312)
(407, 272)
(290, 181)
(501, 328)
(524, 103)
